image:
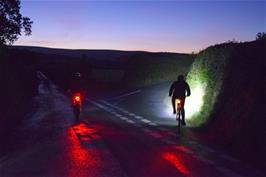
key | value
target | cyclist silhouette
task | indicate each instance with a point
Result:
(179, 89)
(75, 84)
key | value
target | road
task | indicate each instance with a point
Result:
(126, 134)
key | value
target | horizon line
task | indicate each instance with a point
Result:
(122, 50)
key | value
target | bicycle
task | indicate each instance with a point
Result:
(76, 104)
(178, 113)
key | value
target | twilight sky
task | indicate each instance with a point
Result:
(153, 25)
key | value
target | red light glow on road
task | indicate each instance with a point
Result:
(176, 162)
(79, 155)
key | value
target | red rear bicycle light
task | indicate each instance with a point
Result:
(178, 103)
(77, 98)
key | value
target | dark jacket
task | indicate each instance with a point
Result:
(75, 84)
(179, 88)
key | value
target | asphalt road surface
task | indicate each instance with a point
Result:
(121, 134)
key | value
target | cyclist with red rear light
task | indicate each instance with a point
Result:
(75, 88)
(179, 90)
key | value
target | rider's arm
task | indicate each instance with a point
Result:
(188, 89)
(171, 89)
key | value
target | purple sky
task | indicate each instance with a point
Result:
(172, 26)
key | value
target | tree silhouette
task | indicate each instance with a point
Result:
(12, 22)
(261, 36)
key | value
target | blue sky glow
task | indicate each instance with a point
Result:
(172, 26)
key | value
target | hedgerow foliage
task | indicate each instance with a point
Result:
(208, 70)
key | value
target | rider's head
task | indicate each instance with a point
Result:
(180, 77)
(77, 74)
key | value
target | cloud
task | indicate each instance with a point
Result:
(42, 42)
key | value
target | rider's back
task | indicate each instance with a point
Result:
(180, 88)
(75, 84)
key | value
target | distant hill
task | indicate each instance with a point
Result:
(105, 68)
(97, 54)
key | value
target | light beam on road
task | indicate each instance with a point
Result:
(193, 103)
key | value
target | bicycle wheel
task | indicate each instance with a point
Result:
(178, 118)
(76, 112)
